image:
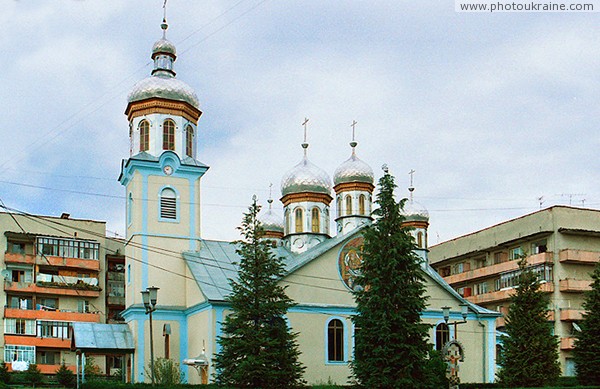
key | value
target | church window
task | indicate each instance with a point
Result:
(361, 204)
(288, 226)
(129, 208)
(316, 223)
(339, 206)
(168, 204)
(299, 216)
(144, 127)
(335, 341)
(168, 135)
(420, 239)
(442, 335)
(348, 205)
(189, 141)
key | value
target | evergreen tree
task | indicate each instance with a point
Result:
(64, 376)
(587, 344)
(4, 374)
(529, 353)
(33, 375)
(391, 349)
(257, 348)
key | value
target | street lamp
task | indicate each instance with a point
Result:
(149, 298)
(464, 311)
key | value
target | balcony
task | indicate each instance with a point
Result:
(30, 340)
(574, 286)
(579, 257)
(567, 343)
(45, 369)
(47, 260)
(52, 288)
(501, 321)
(488, 271)
(15, 313)
(115, 300)
(503, 295)
(568, 314)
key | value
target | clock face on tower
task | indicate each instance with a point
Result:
(168, 170)
(350, 261)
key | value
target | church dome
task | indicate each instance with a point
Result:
(413, 211)
(270, 221)
(163, 46)
(305, 177)
(353, 170)
(165, 87)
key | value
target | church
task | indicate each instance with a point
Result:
(162, 179)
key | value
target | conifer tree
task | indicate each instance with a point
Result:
(390, 341)
(258, 350)
(529, 352)
(587, 344)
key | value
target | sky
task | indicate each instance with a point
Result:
(492, 111)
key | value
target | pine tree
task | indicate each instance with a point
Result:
(529, 353)
(258, 350)
(391, 348)
(587, 344)
(33, 375)
(64, 376)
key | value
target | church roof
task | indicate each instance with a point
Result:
(216, 263)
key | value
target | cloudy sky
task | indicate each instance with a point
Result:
(491, 110)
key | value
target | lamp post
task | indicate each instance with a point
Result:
(464, 311)
(149, 298)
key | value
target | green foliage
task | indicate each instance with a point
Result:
(166, 372)
(4, 374)
(529, 354)
(64, 376)
(436, 370)
(91, 369)
(587, 344)
(33, 375)
(257, 348)
(391, 349)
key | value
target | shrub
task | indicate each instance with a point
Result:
(33, 375)
(166, 372)
(64, 376)
(4, 374)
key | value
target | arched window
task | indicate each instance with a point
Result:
(189, 141)
(168, 204)
(299, 219)
(361, 204)
(348, 205)
(129, 209)
(168, 135)
(442, 335)
(339, 206)
(144, 128)
(420, 239)
(335, 341)
(316, 220)
(288, 225)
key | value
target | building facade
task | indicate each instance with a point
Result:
(54, 275)
(165, 248)
(561, 244)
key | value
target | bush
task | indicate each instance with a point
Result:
(64, 376)
(166, 372)
(4, 374)
(33, 375)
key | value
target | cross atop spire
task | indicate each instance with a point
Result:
(353, 143)
(305, 144)
(164, 24)
(411, 188)
(270, 200)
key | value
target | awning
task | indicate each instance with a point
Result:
(102, 338)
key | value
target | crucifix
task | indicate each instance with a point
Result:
(411, 188)
(353, 125)
(305, 144)
(270, 200)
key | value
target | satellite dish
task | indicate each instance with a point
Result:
(5, 273)
(576, 327)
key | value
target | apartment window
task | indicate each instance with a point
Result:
(511, 279)
(21, 275)
(299, 216)
(144, 127)
(442, 335)
(361, 204)
(515, 253)
(461, 267)
(168, 135)
(480, 262)
(335, 341)
(83, 306)
(500, 257)
(348, 205)
(168, 204)
(19, 326)
(49, 358)
(19, 353)
(16, 247)
(20, 302)
(116, 289)
(316, 216)
(539, 247)
(444, 271)
(53, 329)
(48, 303)
(481, 288)
(68, 248)
(189, 141)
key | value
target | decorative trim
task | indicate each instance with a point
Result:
(306, 197)
(159, 105)
(351, 186)
(415, 223)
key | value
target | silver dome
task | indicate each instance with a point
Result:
(353, 170)
(306, 177)
(414, 211)
(163, 46)
(270, 221)
(164, 87)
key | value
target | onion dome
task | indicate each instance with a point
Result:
(413, 211)
(162, 83)
(305, 177)
(353, 170)
(270, 221)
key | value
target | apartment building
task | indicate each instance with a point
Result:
(54, 274)
(561, 245)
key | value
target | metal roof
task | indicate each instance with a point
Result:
(116, 338)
